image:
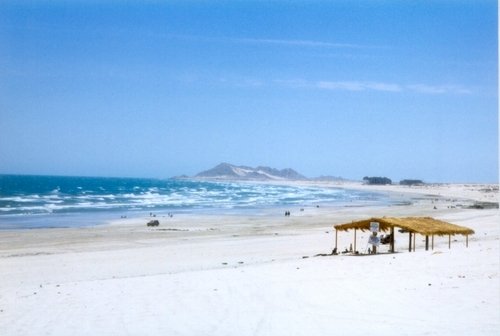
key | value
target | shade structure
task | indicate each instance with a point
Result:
(426, 226)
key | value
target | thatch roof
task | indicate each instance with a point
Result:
(422, 225)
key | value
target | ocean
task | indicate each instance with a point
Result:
(62, 201)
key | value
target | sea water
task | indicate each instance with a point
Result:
(62, 201)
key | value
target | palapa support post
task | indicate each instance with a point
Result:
(433, 242)
(409, 242)
(392, 239)
(414, 243)
(427, 243)
(354, 250)
(466, 240)
(449, 241)
(336, 234)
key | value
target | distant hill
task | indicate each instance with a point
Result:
(227, 171)
(328, 178)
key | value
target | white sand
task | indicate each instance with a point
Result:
(246, 275)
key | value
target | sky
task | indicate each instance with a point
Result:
(402, 89)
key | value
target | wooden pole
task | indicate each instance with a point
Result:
(414, 236)
(426, 242)
(336, 232)
(409, 242)
(354, 242)
(466, 240)
(392, 239)
(449, 241)
(433, 242)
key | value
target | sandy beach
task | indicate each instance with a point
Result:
(257, 274)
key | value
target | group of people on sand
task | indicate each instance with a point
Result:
(287, 212)
(154, 215)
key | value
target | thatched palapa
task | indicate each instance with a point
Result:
(426, 226)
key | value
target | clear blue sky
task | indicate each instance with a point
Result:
(403, 89)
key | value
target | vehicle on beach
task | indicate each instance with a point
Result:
(154, 222)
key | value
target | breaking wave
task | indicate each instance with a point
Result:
(35, 195)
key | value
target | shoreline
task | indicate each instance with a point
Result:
(229, 223)
(481, 192)
(461, 195)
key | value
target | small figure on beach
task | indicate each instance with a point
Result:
(384, 240)
(374, 241)
(287, 213)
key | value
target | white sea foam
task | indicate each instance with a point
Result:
(16, 199)
(179, 195)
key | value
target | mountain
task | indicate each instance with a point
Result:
(227, 171)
